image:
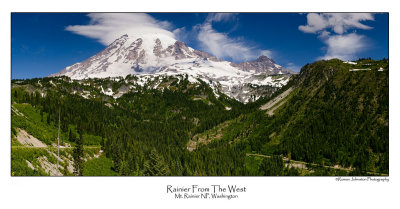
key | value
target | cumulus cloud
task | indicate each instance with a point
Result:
(332, 30)
(106, 27)
(315, 22)
(338, 22)
(344, 47)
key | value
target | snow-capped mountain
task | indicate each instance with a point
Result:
(157, 54)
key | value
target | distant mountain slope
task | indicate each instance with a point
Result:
(261, 65)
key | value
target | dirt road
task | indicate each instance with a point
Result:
(303, 165)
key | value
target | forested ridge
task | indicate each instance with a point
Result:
(334, 116)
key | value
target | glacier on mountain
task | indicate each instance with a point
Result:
(161, 55)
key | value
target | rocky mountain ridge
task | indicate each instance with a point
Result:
(161, 55)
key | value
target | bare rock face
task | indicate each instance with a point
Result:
(179, 50)
(133, 53)
(206, 55)
(263, 64)
(158, 48)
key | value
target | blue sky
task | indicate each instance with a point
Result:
(45, 43)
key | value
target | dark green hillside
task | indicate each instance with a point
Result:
(339, 116)
(333, 120)
(333, 116)
(144, 124)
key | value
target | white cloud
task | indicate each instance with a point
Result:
(338, 22)
(106, 27)
(266, 52)
(315, 22)
(222, 46)
(344, 47)
(181, 33)
(220, 17)
(324, 34)
(292, 66)
(332, 30)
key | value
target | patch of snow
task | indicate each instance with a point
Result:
(366, 69)
(192, 79)
(352, 63)
(85, 94)
(109, 91)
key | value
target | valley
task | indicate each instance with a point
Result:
(326, 120)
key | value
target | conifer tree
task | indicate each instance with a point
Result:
(272, 166)
(78, 156)
(156, 166)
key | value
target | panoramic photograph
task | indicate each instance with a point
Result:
(199, 94)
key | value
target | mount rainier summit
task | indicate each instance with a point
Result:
(154, 55)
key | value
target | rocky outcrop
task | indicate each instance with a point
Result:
(262, 65)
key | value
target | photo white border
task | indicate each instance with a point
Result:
(150, 192)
